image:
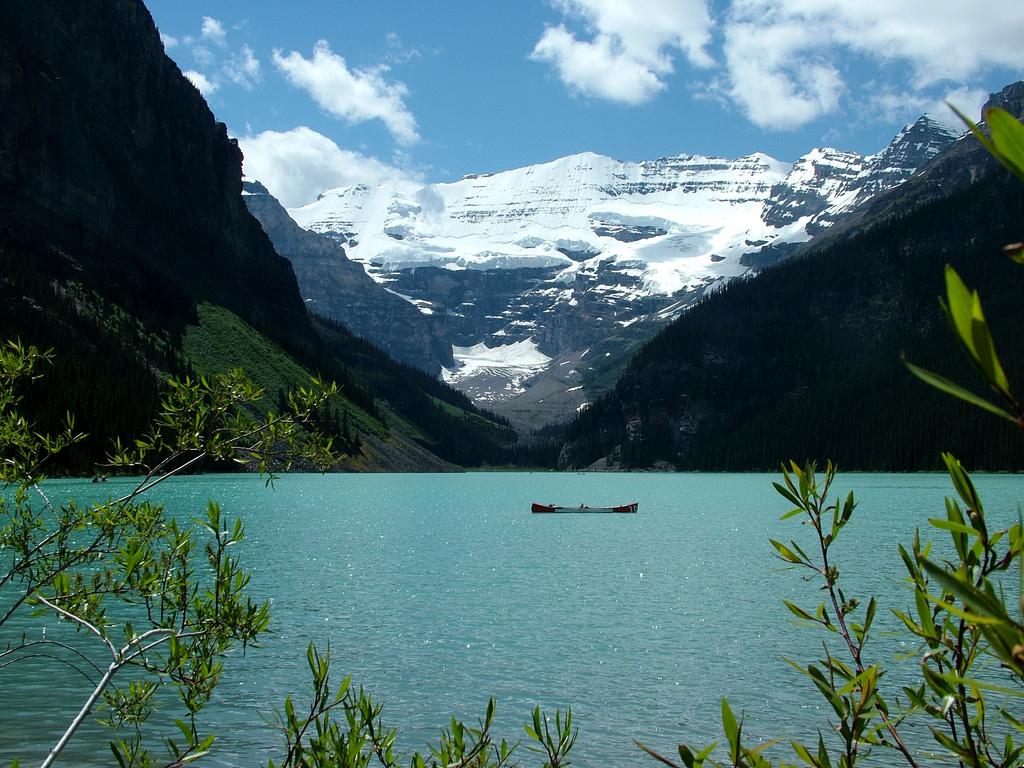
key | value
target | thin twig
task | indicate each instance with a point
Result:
(51, 657)
(841, 619)
(143, 487)
(80, 621)
(65, 646)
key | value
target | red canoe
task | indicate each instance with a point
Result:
(631, 507)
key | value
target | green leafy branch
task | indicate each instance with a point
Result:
(344, 728)
(962, 306)
(125, 573)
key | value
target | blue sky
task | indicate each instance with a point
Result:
(323, 93)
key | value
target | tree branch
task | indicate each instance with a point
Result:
(81, 622)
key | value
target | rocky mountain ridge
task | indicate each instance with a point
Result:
(338, 288)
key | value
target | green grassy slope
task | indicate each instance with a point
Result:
(221, 341)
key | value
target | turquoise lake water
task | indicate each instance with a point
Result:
(437, 591)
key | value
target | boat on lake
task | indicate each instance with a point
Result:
(621, 508)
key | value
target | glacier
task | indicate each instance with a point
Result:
(557, 257)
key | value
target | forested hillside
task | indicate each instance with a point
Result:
(804, 361)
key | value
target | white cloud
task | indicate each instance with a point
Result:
(632, 46)
(243, 68)
(397, 52)
(217, 64)
(784, 56)
(213, 31)
(967, 100)
(356, 95)
(597, 68)
(786, 63)
(299, 164)
(201, 82)
(775, 75)
(204, 56)
(941, 39)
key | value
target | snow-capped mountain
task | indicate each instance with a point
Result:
(826, 183)
(553, 259)
(574, 210)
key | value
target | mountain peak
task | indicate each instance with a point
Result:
(252, 186)
(1011, 98)
(914, 146)
(925, 135)
(928, 124)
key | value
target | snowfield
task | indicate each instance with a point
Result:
(512, 365)
(667, 216)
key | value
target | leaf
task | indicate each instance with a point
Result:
(949, 744)
(729, 724)
(947, 386)
(911, 564)
(949, 525)
(789, 496)
(965, 311)
(979, 685)
(924, 612)
(985, 350)
(785, 552)
(956, 610)
(859, 682)
(186, 731)
(799, 612)
(823, 759)
(117, 754)
(1008, 139)
(1015, 251)
(908, 622)
(984, 605)
(959, 305)
(938, 682)
(827, 690)
(803, 753)
(964, 487)
(756, 751)
(973, 127)
(706, 752)
(688, 760)
(191, 758)
(869, 616)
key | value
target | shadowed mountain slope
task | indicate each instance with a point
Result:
(121, 219)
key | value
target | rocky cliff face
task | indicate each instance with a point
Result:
(912, 149)
(827, 183)
(962, 163)
(338, 288)
(1010, 98)
(121, 210)
(109, 155)
(817, 180)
